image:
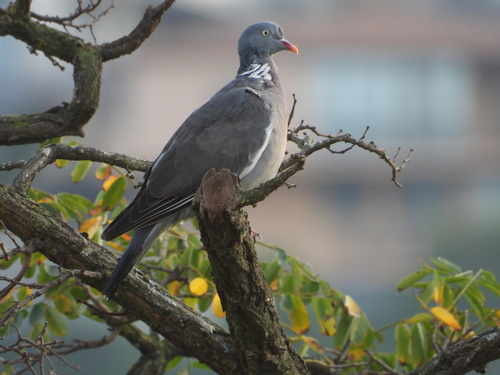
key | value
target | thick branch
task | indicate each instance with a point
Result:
(261, 345)
(465, 356)
(66, 119)
(144, 29)
(165, 314)
(38, 36)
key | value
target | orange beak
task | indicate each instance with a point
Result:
(289, 46)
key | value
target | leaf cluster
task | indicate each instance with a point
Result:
(453, 301)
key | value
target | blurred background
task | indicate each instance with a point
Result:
(423, 75)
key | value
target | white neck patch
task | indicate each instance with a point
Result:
(258, 71)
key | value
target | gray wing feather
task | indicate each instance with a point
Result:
(227, 132)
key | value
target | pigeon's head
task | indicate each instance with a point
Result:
(262, 40)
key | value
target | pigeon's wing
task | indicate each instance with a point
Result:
(230, 131)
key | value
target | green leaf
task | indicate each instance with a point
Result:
(343, 330)
(55, 321)
(476, 301)
(324, 314)
(200, 365)
(287, 285)
(36, 329)
(420, 317)
(361, 331)
(174, 362)
(186, 258)
(299, 317)
(80, 170)
(488, 281)
(322, 307)
(402, 338)
(37, 313)
(205, 268)
(20, 316)
(205, 302)
(75, 201)
(5, 264)
(446, 266)
(114, 194)
(287, 303)
(281, 256)
(309, 289)
(50, 140)
(418, 342)
(413, 278)
(272, 271)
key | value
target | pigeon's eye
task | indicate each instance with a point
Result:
(265, 32)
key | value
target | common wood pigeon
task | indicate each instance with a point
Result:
(243, 128)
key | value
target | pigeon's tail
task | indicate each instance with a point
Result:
(140, 243)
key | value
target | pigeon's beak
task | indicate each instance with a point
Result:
(289, 46)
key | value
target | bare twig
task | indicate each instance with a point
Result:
(52, 152)
(10, 165)
(69, 21)
(327, 141)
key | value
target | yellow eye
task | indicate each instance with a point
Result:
(265, 32)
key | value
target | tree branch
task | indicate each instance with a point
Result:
(50, 153)
(465, 356)
(308, 147)
(144, 29)
(165, 314)
(66, 119)
(262, 346)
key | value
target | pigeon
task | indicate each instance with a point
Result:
(243, 128)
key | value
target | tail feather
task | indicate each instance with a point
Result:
(142, 240)
(132, 255)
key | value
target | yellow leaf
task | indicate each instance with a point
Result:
(23, 292)
(61, 163)
(7, 296)
(356, 354)
(63, 303)
(217, 307)
(299, 317)
(198, 286)
(191, 302)
(103, 172)
(44, 200)
(174, 287)
(115, 246)
(446, 317)
(352, 307)
(274, 286)
(91, 225)
(109, 181)
(421, 317)
(312, 343)
(437, 292)
(328, 326)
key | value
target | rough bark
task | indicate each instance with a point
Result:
(140, 298)
(86, 59)
(465, 356)
(261, 345)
